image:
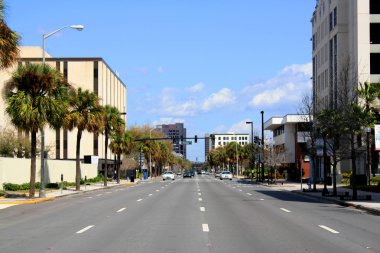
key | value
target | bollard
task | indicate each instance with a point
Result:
(61, 183)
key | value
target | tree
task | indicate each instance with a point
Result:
(306, 111)
(85, 114)
(36, 95)
(122, 143)
(112, 123)
(9, 41)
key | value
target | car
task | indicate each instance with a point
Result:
(192, 173)
(217, 174)
(226, 175)
(179, 173)
(187, 174)
(168, 175)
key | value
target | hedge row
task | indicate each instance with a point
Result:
(26, 186)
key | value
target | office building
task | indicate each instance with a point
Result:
(91, 73)
(220, 140)
(176, 131)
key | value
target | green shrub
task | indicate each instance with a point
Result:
(375, 180)
(346, 178)
(11, 187)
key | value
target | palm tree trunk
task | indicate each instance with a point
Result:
(105, 157)
(32, 189)
(78, 172)
(353, 164)
(118, 168)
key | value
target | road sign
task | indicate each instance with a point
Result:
(186, 143)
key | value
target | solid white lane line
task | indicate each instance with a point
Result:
(85, 229)
(200, 199)
(328, 229)
(205, 228)
(285, 210)
(139, 200)
(122, 209)
(202, 209)
(249, 194)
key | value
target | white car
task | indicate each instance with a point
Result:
(168, 175)
(226, 175)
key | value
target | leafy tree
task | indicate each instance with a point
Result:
(35, 96)
(121, 143)
(9, 41)
(85, 114)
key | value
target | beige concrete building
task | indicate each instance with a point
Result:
(88, 73)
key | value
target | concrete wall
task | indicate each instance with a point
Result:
(17, 170)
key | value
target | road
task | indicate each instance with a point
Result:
(187, 215)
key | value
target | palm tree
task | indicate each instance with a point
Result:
(112, 123)
(85, 113)
(36, 95)
(9, 41)
(122, 143)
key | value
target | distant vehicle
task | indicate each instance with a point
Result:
(207, 173)
(179, 173)
(192, 173)
(187, 174)
(217, 174)
(168, 175)
(203, 172)
(226, 175)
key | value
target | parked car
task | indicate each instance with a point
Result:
(187, 174)
(192, 173)
(168, 175)
(217, 174)
(226, 175)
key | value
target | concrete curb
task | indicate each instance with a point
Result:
(340, 202)
(29, 201)
(39, 200)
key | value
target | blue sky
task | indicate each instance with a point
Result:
(212, 64)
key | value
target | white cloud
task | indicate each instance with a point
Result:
(240, 127)
(160, 70)
(168, 121)
(285, 88)
(168, 106)
(220, 99)
(196, 87)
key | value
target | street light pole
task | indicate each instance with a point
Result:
(252, 158)
(262, 143)
(42, 180)
(368, 130)
(150, 154)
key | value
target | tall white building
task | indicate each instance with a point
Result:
(220, 140)
(344, 33)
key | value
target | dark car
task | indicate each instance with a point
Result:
(187, 174)
(192, 173)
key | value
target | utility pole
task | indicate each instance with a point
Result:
(262, 143)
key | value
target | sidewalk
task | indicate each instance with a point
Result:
(372, 206)
(53, 194)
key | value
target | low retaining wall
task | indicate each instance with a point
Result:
(17, 170)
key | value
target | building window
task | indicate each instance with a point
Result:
(58, 144)
(335, 17)
(331, 21)
(374, 7)
(375, 33)
(375, 63)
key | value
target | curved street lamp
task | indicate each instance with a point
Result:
(45, 36)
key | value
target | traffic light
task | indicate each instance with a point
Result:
(195, 138)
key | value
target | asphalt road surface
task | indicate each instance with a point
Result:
(202, 214)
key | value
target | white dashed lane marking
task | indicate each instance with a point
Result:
(285, 210)
(205, 228)
(139, 200)
(202, 209)
(328, 229)
(122, 209)
(85, 229)
(200, 199)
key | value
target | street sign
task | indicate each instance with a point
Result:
(186, 143)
